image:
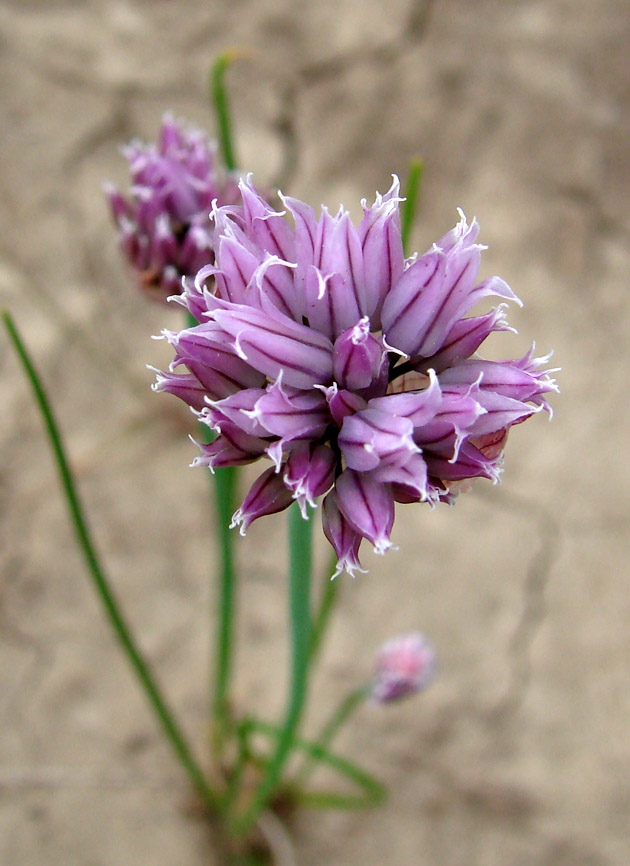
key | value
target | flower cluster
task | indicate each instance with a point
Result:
(353, 369)
(164, 228)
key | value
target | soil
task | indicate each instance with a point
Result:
(520, 752)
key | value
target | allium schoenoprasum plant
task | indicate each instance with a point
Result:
(352, 371)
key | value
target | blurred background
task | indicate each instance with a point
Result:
(520, 753)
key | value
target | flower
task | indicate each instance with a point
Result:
(353, 369)
(164, 227)
(405, 665)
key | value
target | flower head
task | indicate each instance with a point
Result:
(405, 665)
(164, 227)
(351, 368)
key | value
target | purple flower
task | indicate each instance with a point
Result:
(164, 227)
(352, 369)
(405, 665)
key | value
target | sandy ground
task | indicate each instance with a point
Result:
(520, 753)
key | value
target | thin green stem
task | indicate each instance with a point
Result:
(326, 604)
(101, 583)
(300, 563)
(341, 715)
(243, 730)
(223, 486)
(409, 207)
(222, 108)
(346, 708)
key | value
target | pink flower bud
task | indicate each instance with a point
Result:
(404, 665)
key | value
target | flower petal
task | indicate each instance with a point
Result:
(405, 310)
(410, 476)
(237, 408)
(310, 472)
(211, 357)
(345, 540)
(381, 243)
(368, 506)
(186, 386)
(464, 339)
(275, 343)
(358, 357)
(267, 495)
(270, 231)
(371, 438)
(232, 447)
(291, 413)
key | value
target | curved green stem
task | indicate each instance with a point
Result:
(243, 730)
(341, 715)
(300, 556)
(414, 179)
(326, 604)
(222, 108)
(374, 790)
(101, 583)
(224, 489)
(223, 484)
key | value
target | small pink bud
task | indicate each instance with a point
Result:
(404, 665)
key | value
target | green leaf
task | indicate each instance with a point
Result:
(101, 583)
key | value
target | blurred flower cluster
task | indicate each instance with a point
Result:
(164, 227)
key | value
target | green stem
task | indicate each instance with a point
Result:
(414, 179)
(326, 604)
(224, 488)
(341, 715)
(101, 583)
(223, 484)
(222, 108)
(243, 731)
(343, 712)
(300, 556)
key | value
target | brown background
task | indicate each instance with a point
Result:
(520, 753)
